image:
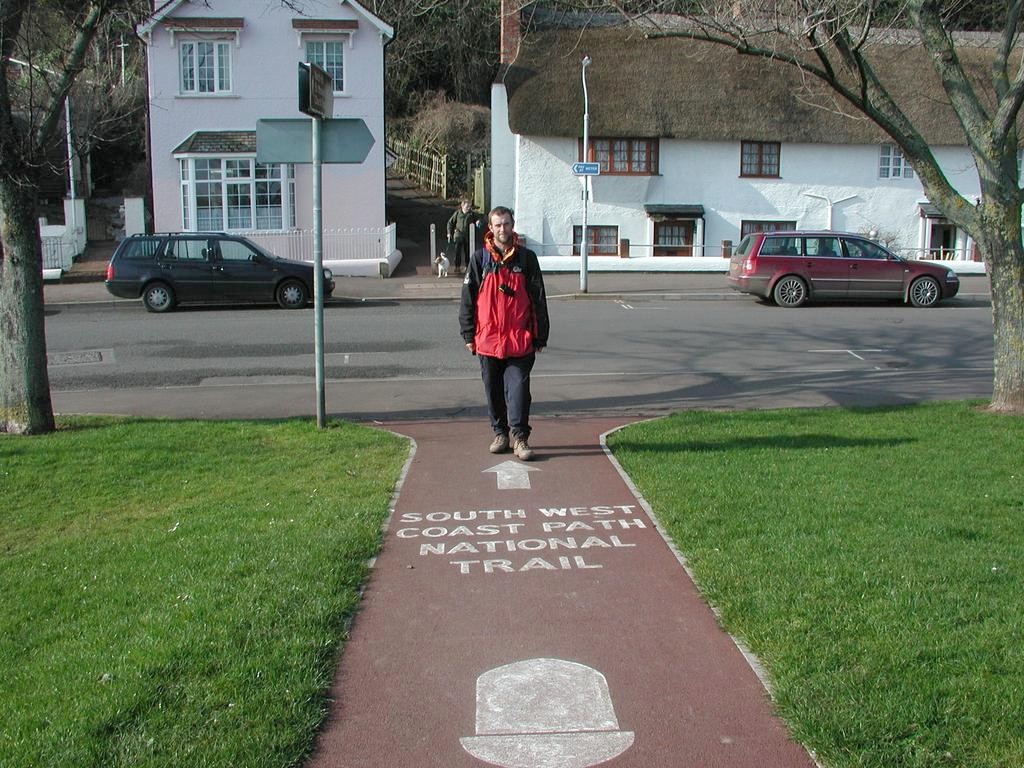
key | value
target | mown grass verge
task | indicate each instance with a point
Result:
(174, 593)
(872, 559)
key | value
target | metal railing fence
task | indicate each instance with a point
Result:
(55, 254)
(338, 244)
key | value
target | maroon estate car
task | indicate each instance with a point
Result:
(791, 268)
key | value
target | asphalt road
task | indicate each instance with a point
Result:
(393, 359)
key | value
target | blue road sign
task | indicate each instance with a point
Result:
(586, 169)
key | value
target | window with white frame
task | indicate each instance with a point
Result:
(892, 164)
(236, 193)
(329, 55)
(205, 66)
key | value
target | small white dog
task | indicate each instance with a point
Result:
(442, 265)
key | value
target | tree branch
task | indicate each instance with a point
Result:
(969, 110)
(72, 67)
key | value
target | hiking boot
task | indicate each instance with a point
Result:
(500, 444)
(522, 451)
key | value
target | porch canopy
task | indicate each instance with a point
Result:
(661, 212)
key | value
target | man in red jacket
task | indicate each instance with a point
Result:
(504, 321)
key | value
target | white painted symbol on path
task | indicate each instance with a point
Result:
(545, 713)
(512, 474)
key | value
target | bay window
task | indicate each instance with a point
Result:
(224, 194)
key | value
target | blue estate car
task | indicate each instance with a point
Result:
(197, 267)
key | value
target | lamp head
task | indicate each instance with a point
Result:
(586, 61)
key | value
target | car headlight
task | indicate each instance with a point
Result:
(328, 275)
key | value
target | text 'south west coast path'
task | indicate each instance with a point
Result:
(530, 616)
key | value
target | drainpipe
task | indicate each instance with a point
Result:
(830, 203)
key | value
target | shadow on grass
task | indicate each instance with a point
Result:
(781, 442)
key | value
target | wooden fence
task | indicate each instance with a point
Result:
(428, 168)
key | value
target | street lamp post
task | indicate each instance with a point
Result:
(586, 179)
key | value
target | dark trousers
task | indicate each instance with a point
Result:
(460, 258)
(507, 386)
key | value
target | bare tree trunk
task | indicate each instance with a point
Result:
(1000, 242)
(25, 406)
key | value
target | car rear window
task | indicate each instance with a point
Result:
(744, 246)
(780, 246)
(140, 249)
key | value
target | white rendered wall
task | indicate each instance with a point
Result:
(548, 199)
(503, 164)
(264, 85)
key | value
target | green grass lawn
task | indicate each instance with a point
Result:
(174, 593)
(872, 559)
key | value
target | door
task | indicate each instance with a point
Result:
(942, 242)
(673, 237)
(827, 270)
(242, 273)
(186, 266)
(874, 272)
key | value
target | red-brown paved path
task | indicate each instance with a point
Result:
(550, 623)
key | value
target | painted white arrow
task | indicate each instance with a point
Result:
(512, 474)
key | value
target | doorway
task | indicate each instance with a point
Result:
(673, 237)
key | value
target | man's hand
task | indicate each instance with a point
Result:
(471, 347)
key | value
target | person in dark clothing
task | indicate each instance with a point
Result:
(458, 234)
(503, 318)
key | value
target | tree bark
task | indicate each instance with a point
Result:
(1000, 241)
(25, 406)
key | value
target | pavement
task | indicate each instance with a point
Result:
(694, 286)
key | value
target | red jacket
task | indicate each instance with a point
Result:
(504, 311)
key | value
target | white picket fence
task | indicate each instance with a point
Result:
(338, 244)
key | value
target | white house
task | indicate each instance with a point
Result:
(698, 146)
(216, 67)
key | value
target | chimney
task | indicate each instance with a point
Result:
(511, 31)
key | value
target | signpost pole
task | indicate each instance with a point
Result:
(586, 179)
(318, 278)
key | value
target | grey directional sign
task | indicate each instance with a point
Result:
(342, 140)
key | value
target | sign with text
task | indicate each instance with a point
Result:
(495, 541)
(316, 94)
(586, 169)
(342, 140)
